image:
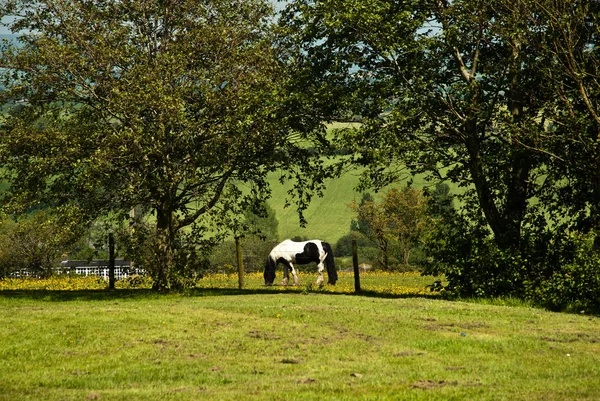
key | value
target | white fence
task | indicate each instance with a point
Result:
(99, 268)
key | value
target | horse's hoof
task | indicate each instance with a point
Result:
(284, 282)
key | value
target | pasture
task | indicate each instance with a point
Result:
(396, 342)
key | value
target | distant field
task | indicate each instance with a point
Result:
(328, 217)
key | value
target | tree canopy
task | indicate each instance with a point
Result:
(498, 97)
(175, 107)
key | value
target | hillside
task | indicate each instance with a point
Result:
(328, 217)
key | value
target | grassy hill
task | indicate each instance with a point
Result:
(328, 217)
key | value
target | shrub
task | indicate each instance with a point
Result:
(343, 246)
(142, 245)
(35, 244)
(557, 269)
(575, 284)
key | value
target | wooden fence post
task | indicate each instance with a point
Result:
(355, 264)
(111, 261)
(238, 250)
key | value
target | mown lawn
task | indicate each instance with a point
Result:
(219, 343)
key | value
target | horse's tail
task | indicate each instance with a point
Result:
(269, 273)
(330, 263)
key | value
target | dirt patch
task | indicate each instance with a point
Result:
(292, 361)
(262, 336)
(572, 338)
(195, 356)
(431, 384)
(408, 353)
(445, 326)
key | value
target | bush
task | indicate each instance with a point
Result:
(343, 246)
(35, 244)
(574, 285)
(142, 245)
(557, 269)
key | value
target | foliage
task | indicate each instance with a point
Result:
(262, 222)
(140, 243)
(558, 269)
(343, 247)
(257, 233)
(497, 97)
(575, 283)
(360, 225)
(398, 222)
(457, 101)
(574, 113)
(177, 108)
(35, 244)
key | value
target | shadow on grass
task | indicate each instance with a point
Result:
(133, 294)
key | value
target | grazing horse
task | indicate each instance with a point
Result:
(289, 253)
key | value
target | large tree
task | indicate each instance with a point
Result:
(572, 33)
(176, 107)
(448, 88)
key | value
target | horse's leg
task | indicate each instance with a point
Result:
(286, 274)
(295, 274)
(320, 279)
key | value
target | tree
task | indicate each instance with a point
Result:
(359, 225)
(377, 231)
(447, 88)
(35, 244)
(408, 218)
(399, 221)
(574, 114)
(175, 107)
(262, 222)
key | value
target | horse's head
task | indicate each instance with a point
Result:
(269, 271)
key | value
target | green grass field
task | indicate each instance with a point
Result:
(328, 217)
(220, 343)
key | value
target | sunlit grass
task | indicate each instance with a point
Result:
(70, 283)
(286, 343)
(383, 283)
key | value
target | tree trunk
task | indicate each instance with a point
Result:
(165, 244)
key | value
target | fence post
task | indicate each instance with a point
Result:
(355, 264)
(238, 250)
(111, 261)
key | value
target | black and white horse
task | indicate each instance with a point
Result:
(290, 253)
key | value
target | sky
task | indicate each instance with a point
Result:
(4, 30)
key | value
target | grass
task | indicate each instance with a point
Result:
(328, 217)
(220, 343)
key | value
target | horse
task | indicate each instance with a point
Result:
(289, 253)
